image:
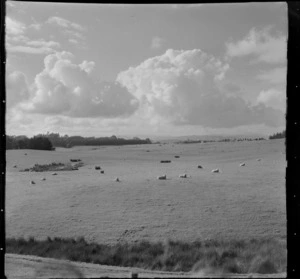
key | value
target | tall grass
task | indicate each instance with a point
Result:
(239, 256)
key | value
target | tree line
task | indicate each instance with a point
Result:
(278, 135)
(23, 142)
(51, 140)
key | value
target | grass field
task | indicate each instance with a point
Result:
(242, 257)
(237, 203)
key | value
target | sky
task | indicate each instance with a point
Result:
(145, 69)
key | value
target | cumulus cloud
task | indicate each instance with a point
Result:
(157, 42)
(182, 87)
(16, 88)
(262, 45)
(272, 98)
(67, 88)
(14, 27)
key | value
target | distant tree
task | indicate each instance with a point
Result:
(278, 135)
(40, 143)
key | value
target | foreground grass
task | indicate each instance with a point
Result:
(240, 256)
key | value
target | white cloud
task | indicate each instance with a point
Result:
(16, 88)
(273, 98)
(30, 50)
(66, 88)
(72, 30)
(182, 88)
(157, 42)
(74, 34)
(275, 76)
(17, 38)
(14, 27)
(73, 41)
(260, 44)
(65, 23)
(36, 26)
(43, 43)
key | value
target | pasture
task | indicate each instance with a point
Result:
(236, 203)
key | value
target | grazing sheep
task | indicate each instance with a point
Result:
(183, 175)
(200, 167)
(258, 160)
(215, 171)
(97, 168)
(102, 171)
(162, 177)
(43, 179)
(32, 182)
(242, 164)
(15, 166)
(117, 179)
(54, 173)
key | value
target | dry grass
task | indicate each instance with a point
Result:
(265, 256)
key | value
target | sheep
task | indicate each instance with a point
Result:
(215, 171)
(32, 182)
(25, 153)
(54, 173)
(117, 179)
(15, 166)
(162, 177)
(242, 164)
(183, 175)
(102, 171)
(43, 179)
(258, 160)
(97, 168)
(200, 167)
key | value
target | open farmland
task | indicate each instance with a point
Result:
(237, 203)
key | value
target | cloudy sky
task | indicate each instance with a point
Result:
(155, 70)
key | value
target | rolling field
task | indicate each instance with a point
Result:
(237, 203)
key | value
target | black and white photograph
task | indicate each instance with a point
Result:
(145, 140)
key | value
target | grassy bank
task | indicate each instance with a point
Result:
(240, 256)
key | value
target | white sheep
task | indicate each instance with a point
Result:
(54, 173)
(242, 164)
(183, 175)
(215, 171)
(32, 182)
(43, 179)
